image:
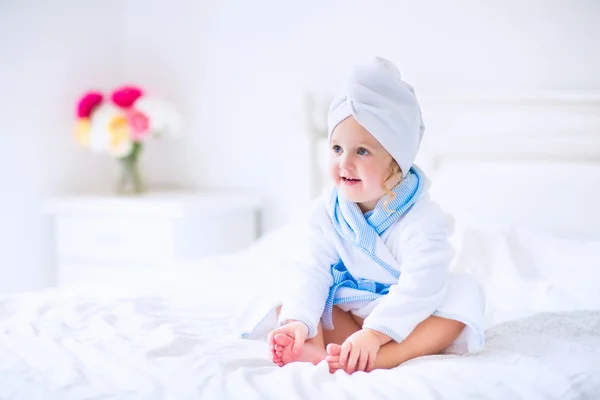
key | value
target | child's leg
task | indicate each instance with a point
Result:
(344, 326)
(313, 350)
(430, 337)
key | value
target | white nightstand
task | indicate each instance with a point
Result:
(105, 237)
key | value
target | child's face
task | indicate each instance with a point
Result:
(359, 164)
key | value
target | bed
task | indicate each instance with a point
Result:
(172, 336)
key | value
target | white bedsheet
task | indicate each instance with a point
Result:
(170, 339)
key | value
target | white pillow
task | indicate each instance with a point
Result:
(282, 242)
(570, 264)
(524, 272)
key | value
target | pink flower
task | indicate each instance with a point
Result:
(138, 123)
(87, 104)
(125, 96)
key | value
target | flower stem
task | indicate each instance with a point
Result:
(131, 180)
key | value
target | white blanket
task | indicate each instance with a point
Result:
(171, 340)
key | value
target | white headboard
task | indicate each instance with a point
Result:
(497, 161)
(531, 161)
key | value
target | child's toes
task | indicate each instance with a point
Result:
(282, 340)
(334, 349)
(334, 363)
(335, 366)
(332, 359)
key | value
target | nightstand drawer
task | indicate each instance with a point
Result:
(122, 238)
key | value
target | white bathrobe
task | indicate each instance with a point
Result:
(416, 246)
(391, 265)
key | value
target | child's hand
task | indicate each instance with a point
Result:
(297, 330)
(359, 351)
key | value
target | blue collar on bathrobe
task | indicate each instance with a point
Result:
(362, 231)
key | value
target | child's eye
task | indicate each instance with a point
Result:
(362, 151)
(336, 149)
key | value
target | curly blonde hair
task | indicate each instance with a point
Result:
(394, 170)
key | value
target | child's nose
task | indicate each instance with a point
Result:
(347, 162)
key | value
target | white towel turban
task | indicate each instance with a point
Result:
(375, 94)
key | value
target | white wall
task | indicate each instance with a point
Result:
(239, 70)
(50, 52)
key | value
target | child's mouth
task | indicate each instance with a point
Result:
(350, 181)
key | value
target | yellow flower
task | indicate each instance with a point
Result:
(120, 136)
(82, 131)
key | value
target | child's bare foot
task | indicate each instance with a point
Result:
(333, 357)
(279, 345)
(284, 353)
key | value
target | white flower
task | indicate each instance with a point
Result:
(163, 118)
(99, 133)
(110, 131)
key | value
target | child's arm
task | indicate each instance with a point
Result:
(305, 300)
(426, 257)
(382, 337)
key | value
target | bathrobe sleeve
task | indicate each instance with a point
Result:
(421, 243)
(311, 277)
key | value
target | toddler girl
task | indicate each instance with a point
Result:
(375, 290)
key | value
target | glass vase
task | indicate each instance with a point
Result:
(131, 181)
